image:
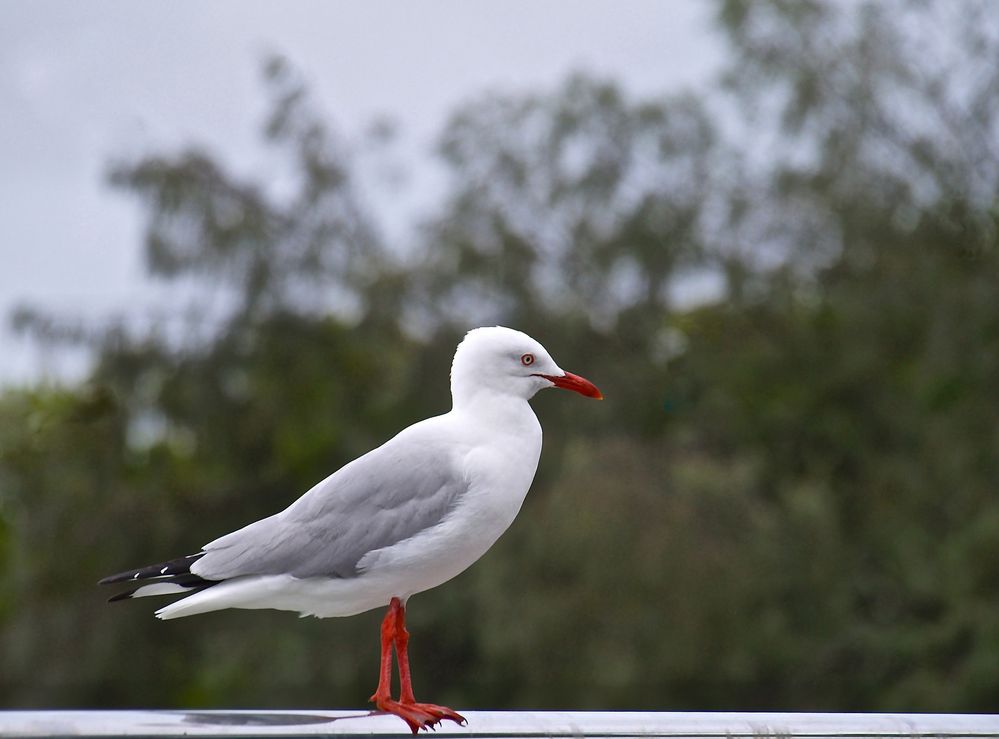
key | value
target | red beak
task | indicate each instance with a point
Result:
(569, 381)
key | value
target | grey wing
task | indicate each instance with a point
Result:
(384, 497)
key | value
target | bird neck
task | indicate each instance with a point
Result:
(492, 408)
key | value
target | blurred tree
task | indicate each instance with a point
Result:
(289, 362)
(579, 209)
(857, 379)
(788, 499)
(826, 401)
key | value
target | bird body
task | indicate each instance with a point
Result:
(464, 485)
(401, 519)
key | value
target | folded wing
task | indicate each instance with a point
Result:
(390, 494)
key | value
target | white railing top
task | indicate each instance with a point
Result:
(495, 724)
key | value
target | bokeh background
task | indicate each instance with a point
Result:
(782, 271)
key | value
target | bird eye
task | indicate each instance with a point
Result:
(527, 360)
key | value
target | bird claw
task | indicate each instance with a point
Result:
(439, 713)
(420, 715)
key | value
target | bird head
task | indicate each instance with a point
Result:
(504, 361)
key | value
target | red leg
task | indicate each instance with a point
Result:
(416, 715)
(384, 690)
(405, 679)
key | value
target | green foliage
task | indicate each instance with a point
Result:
(787, 501)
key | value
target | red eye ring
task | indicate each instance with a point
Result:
(527, 359)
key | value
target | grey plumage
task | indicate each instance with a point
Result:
(386, 496)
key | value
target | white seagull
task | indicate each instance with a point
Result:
(401, 519)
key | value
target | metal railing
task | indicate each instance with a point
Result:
(494, 724)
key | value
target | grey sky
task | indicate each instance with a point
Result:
(84, 82)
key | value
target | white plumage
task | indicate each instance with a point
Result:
(401, 519)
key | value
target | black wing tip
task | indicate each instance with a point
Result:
(189, 582)
(120, 577)
(178, 566)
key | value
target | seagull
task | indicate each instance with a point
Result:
(403, 518)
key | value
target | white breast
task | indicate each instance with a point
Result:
(499, 461)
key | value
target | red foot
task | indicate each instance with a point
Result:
(440, 713)
(419, 715)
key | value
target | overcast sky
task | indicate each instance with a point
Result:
(84, 82)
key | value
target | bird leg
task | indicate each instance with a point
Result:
(416, 715)
(383, 692)
(405, 680)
